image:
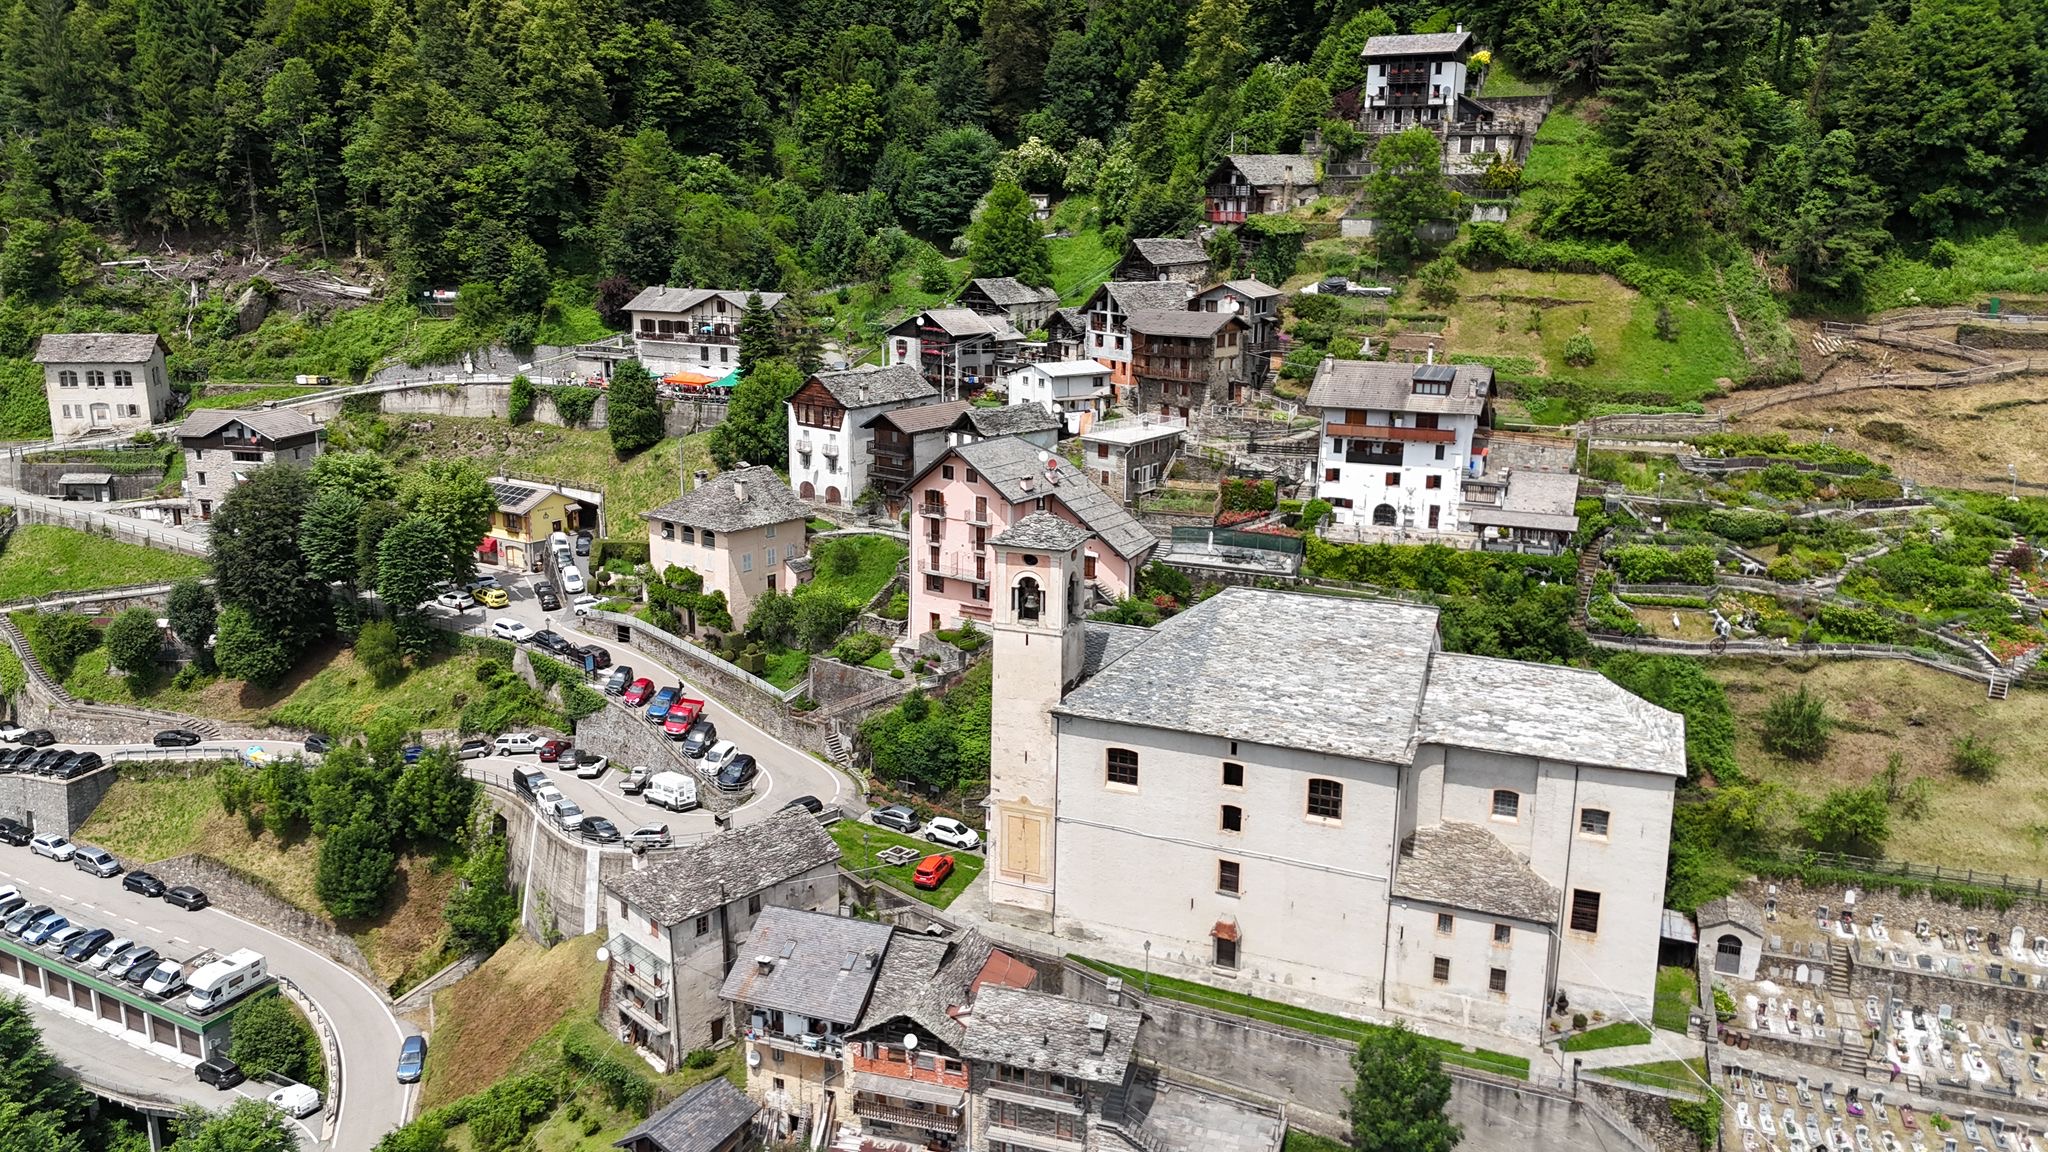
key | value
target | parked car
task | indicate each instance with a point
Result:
(455, 601)
(219, 1071)
(553, 750)
(567, 813)
(636, 780)
(549, 640)
(412, 753)
(9, 755)
(896, 816)
(9, 905)
(545, 593)
(529, 781)
(649, 836)
(492, 596)
(295, 1100)
(82, 763)
(412, 1058)
(673, 791)
(657, 710)
(55, 762)
(589, 765)
(97, 861)
(810, 804)
(701, 736)
(44, 928)
(111, 947)
(600, 658)
(176, 738)
(952, 833)
(12, 732)
(54, 846)
(516, 744)
(716, 758)
(506, 628)
(39, 738)
(616, 683)
(14, 832)
(572, 580)
(144, 883)
(473, 750)
(545, 796)
(165, 980)
(87, 942)
(599, 830)
(185, 896)
(932, 871)
(583, 543)
(22, 919)
(317, 743)
(586, 604)
(637, 692)
(132, 963)
(738, 773)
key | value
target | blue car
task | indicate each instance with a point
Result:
(45, 928)
(657, 709)
(412, 753)
(412, 1055)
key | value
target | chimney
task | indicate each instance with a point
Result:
(1098, 1032)
(1429, 353)
(739, 489)
(701, 476)
(765, 963)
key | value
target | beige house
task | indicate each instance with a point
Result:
(738, 530)
(103, 382)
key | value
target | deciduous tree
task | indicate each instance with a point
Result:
(756, 428)
(1398, 1103)
(633, 410)
(1007, 239)
(1407, 189)
(133, 642)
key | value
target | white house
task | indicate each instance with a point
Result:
(1077, 391)
(830, 446)
(103, 382)
(1398, 439)
(1304, 796)
(1414, 79)
(691, 329)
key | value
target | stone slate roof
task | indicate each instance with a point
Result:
(1286, 668)
(1464, 866)
(662, 298)
(929, 982)
(1532, 500)
(1428, 44)
(1104, 644)
(957, 322)
(921, 418)
(1011, 420)
(808, 963)
(1270, 169)
(868, 385)
(1180, 322)
(1389, 387)
(96, 347)
(717, 504)
(701, 1120)
(1007, 290)
(1548, 711)
(1166, 251)
(1013, 467)
(1252, 289)
(730, 866)
(1141, 295)
(270, 423)
(1731, 910)
(1042, 531)
(1050, 1034)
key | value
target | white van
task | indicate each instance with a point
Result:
(673, 791)
(295, 1100)
(225, 979)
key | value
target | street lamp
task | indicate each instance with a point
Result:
(1148, 967)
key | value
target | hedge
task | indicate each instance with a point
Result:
(631, 551)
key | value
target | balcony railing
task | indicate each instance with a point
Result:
(1392, 432)
(889, 466)
(634, 962)
(977, 515)
(1056, 1099)
(1029, 1139)
(807, 1044)
(956, 566)
(936, 511)
(713, 337)
(934, 1120)
(1199, 375)
(642, 1016)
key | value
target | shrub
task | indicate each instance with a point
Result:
(859, 648)
(272, 1038)
(1796, 725)
(377, 651)
(1858, 625)
(1745, 525)
(59, 639)
(133, 642)
(700, 1058)
(1649, 564)
(1854, 820)
(1974, 759)
(1579, 351)
(1250, 495)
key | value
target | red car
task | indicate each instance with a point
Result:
(932, 871)
(553, 750)
(638, 692)
(681, 715)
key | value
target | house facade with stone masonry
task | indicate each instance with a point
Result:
(1047, 1071)
(1258, 305)
(97, 382)
(691, 329)
(1076, 391)
(1260, 185)
(977, 492)
(829, 449)
(1427, 79)
(1027, 308)
(739, 530)
(1107, 314)
(1307, 797)
(677, 924)
(957, 349)
(1185, 361)
(1165, 258)
(223, 446)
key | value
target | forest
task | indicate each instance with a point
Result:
(509, 145)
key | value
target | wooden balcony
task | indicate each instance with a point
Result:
(1192, 375)
(1390, 432)
(931, 1120)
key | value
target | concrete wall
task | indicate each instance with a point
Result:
(49, 805)
(680, 417)
(41, 479)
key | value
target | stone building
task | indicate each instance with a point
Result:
(1185, 361)
(829, 444)
(223, 446)
(98, 382)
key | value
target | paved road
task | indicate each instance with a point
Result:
(367, 1032)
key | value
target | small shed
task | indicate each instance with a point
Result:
(712, 1117)
(95, 486)
(1732, 932)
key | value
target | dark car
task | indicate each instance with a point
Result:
(737, 774)
(86, 943)
(15, 832)
(412, 1056)
(613, 685)
(186, 896)
(600, 658)
(549, 640)
(545, 593)
(699, 739)
(220, 1072)
(583, 543)
(898, 817)
(134, 965)
(144, 883)
(600, 829)
(79, 765)
(318, 743)
(39, 738)
(9, 755)
(56, 765)
(176, 738)
(810, 804)
(473, 749)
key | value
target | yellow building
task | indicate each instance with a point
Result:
(528, 513)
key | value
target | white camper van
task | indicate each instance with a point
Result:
(673, 791)
(224, 979)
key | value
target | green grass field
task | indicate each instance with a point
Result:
(247, 397)
(1565, 145)
(1676, 1075)
(1620, 1034)
(1081, 261)
(877, 556)
(1678, 993)
(43, 560)
(1307, 1020)
(858, 844)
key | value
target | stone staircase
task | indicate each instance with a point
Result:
(1838, 968)
(1589, 570)
(836, 748)
(47, 686)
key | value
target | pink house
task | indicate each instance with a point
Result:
(975, 491)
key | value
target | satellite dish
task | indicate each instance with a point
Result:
(910, 1041)
(1044, 457)
(753, 1057)
(603, 955)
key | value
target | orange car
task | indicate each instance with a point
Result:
(932, 871)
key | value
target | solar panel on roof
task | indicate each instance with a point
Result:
(1443, 373)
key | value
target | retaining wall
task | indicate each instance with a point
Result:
(49, 805)
(235, 891)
